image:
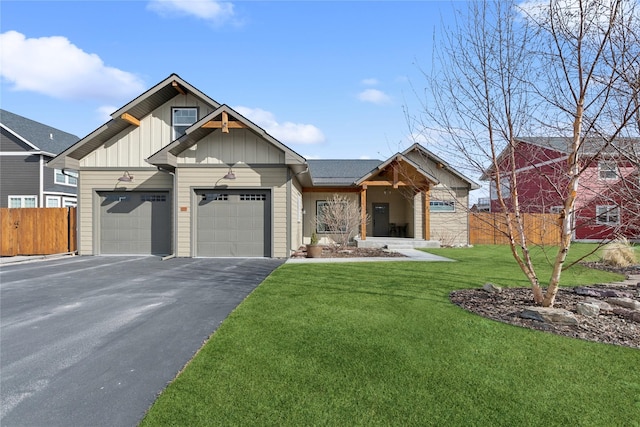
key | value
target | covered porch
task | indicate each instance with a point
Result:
(394, 202)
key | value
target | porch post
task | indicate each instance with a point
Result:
(363, 212)
(426, 195)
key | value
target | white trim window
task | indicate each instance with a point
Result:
(505, 188)
(68, 202)
(69, 178)
(52, 202)
(23, 201)
(607, 215)
(607, 170)
(556, 209)
(442, 206)
(182, 118)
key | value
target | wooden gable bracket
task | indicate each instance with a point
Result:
(130, 119)
(179, 88)
(225, 124)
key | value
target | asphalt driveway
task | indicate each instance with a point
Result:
(91, 341)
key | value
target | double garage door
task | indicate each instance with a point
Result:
(230, 223)
(233, 223)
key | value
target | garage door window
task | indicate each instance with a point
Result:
(213, 197)
(253, 197)
(153, 198)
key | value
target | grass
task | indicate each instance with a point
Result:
(380, 344)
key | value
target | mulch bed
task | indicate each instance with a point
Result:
(506, 306)
(349, 252)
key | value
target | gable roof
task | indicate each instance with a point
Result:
(445, 165)
(38, 136)
(166, 156)
(625, 147)
(590, 146)
(398, 157)
(138, 108)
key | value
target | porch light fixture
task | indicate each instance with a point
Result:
(229, 175)
(126, 177)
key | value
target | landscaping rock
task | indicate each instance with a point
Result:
(550, 315)
(602, 293)
(491, 288)
(604, 307)
(587, 309)
(632, 315)
(625, 302)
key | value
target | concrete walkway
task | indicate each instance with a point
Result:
(409, 255)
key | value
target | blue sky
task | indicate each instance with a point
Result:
(330, 79)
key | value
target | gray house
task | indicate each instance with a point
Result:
(25, 148)
(176, 173)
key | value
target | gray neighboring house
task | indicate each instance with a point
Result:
(25, 148)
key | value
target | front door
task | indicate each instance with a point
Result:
(380, 219)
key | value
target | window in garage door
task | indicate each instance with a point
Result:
(135, 223)
(233, 224)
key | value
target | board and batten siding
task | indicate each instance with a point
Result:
(237, 146)
(450, 228)
(92, 181)
(189, 179)
(134, 144)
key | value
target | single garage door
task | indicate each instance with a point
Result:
(135, 222)
(233, 223)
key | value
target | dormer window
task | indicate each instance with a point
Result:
(181, 119)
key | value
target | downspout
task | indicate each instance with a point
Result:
(174, 238)
(289, 207)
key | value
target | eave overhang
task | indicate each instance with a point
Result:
(223, 119)
(130, 115)
(398, 171)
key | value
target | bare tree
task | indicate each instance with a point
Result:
(565, 68)
(340, 217)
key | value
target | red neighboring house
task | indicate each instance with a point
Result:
(608, 199)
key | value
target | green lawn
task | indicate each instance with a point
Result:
(380, 344)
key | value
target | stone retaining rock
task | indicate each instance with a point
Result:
(602, 293)
(491, 288)
(587, 309)
(625, 303)
(557, 316)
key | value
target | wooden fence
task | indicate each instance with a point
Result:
(37, 231)
(491, 229)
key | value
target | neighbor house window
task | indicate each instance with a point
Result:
(505, 187)
(607, 170)
(69, 202)
(556, 209)
(23, 201)
(52, 202)
(68, 178)
(607, 215)
(442, 206)
(181, 119)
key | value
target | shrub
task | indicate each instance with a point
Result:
(619, 253)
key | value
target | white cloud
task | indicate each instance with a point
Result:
(287, 132)
(104, 113)
(55, 67)
(370, 82)
(374, 96)
(216, 12)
